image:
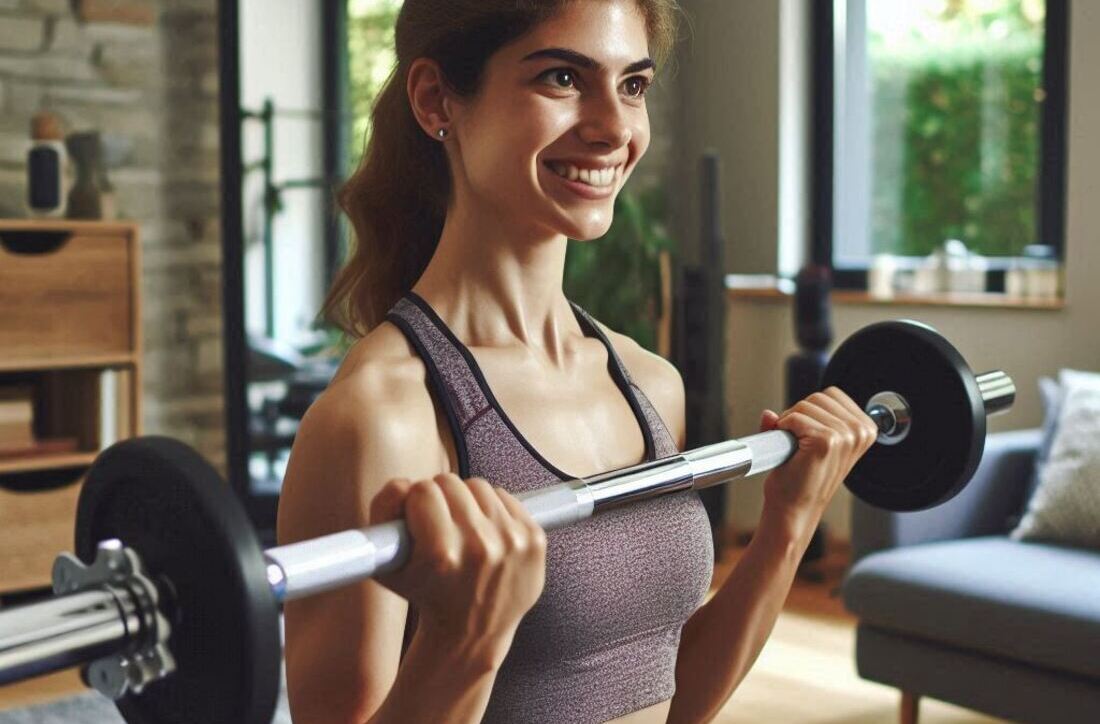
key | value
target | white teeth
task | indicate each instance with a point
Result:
(592, 177)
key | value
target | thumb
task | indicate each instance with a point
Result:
(389, 503)
(768, 420)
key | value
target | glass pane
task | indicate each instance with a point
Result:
(938, 126)
(370, 61)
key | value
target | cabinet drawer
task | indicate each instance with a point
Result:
(34, 527)
(72, 300)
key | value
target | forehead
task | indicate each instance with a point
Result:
(612, 32)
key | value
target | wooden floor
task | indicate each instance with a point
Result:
(805, 674)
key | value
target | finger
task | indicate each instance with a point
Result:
(824, 416)
(464, 508)
(867, 429)
(767, 420)
(835, 406)
(811, 433)
(842, 398)
(525, 525)
(428, 518)
(389, 502)
(515, 508)
(488, 500)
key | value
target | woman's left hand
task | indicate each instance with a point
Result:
(833, 433)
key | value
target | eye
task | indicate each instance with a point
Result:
(560, 77)
(636, 86)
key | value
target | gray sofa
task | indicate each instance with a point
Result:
(951, 608)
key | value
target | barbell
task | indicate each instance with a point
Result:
(172, 607)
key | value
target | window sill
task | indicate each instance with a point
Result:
(955, 299)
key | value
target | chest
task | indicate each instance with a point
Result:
(582, 421)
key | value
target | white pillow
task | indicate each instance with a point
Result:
(1065, 508)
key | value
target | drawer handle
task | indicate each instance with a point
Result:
(38, 241)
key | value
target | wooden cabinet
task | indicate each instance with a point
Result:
(70, 330)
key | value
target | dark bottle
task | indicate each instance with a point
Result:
(46, 168)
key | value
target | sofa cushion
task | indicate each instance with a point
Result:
(1050, 392)
(1033, 602)
(1065, 508)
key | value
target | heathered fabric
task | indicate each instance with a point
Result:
(602, 639)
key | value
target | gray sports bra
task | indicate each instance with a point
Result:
(602, 639)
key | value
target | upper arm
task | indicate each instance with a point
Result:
(342, 647)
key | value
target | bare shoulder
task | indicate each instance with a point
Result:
(374, 422)
(658, 379)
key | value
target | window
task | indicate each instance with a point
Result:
(370, 41)
(938, 120)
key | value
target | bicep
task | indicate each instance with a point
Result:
(342, 647)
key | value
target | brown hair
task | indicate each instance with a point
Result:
(397, 198)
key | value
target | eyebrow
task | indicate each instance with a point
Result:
(582, 60)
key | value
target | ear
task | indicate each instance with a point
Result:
(428, 95)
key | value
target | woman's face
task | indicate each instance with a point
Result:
(560, 120)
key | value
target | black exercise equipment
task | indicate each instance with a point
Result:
(174, 609)
(813, 331)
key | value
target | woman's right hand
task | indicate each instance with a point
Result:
(477, 564)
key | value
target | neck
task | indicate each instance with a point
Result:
(498, 284)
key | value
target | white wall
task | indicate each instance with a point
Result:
(280, 57)
(728, 81)
(740, 122)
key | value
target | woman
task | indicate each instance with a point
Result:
(508, 127)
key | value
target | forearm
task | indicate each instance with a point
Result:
(722, 640)
(439, 682)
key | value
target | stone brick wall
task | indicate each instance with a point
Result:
(144, 73)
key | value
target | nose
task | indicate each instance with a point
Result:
(604, 122)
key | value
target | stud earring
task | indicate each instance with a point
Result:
(442, 133)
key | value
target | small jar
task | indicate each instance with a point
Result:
(880, 277)
(1042, 272)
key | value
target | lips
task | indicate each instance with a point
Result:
(583, 190)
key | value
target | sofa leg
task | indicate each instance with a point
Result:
(910, 707)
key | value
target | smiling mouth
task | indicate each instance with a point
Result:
(596, 178)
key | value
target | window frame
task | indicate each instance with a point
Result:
(1051, 196)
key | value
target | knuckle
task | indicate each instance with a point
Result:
(479, 484)
(513, 538)
(442, 559)
(483, 548)
(538, 539)
(394, 485)
(445, 478)
(420, 490)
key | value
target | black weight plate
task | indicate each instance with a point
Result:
(947, 435)
(159, 497)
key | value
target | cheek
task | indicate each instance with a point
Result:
(505, 150)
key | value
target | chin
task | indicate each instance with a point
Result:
(587, 226)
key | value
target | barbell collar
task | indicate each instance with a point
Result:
(997, 389)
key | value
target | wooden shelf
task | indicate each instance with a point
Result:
(953, 299)
(71, 330)
(53, 461)
(66, 363)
